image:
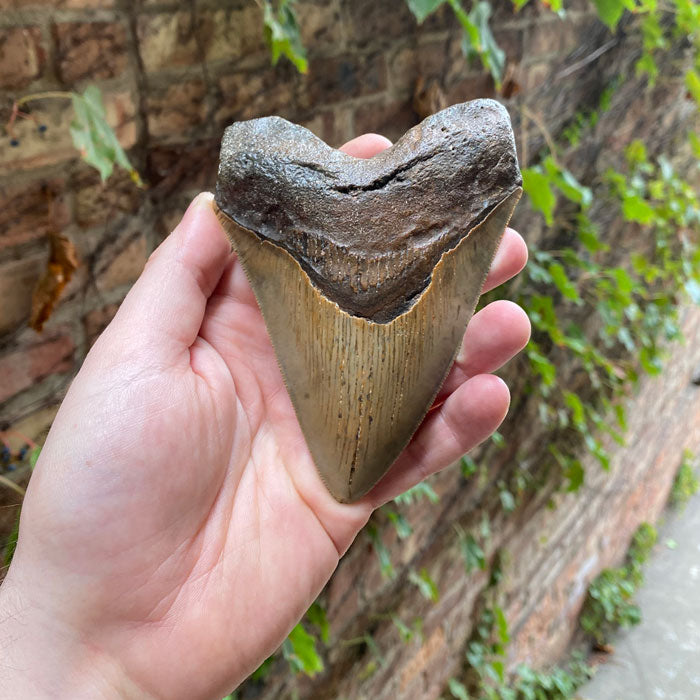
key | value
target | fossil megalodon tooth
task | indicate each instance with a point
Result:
(367, 271)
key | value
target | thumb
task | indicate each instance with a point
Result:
(164, 310)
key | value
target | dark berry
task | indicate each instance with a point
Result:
(11, 467)
(14, 143)
(42, 128)
(23, 452)
(5, 454)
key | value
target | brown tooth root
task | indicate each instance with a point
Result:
(367, 271)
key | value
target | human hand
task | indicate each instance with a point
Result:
(175, 527)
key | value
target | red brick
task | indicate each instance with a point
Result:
(21, 369)
(97, 320)
(257, 93)
(98, 202)
(323, 125)
(369, 21)
(166, 40)
(471, 87)
(391, 119)
(94, 50)
(176, 109)
(56, 4)
(229, 33)
(183, 166)
(342, 77)
(31, 210)
(426, 61)
(17, 280)
(319, 23)
(22, 56)
(121, 264)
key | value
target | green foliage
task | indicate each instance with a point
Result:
(405, 632)
(299, 649)
(11, 543)
(686, 483)
(610, 11)
(477, 38)
(427, 587)
(94, 138)
(387, 568)
(457, 689)
(636, 303)
(609, 603)
(486, 677)
(422, 9)
(418, 492)
(282, 34)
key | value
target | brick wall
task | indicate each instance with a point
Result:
(173, 75)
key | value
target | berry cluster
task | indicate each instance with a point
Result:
(41, 128)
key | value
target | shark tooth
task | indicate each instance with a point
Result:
(367, 271)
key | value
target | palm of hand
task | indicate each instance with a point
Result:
(189, 520)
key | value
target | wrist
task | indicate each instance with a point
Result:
(43, 657)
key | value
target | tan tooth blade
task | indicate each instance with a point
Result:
(359, 388)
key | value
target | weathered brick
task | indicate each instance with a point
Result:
(324, 126)
(30, 210)
(471, 87)
(120, 111)
(56, 4)
(320, 25)
(230, 33)
(48, 355)
(426, 61)
(17, 280)
(22, 56)
(258, 93)
(98, 202)
(166, 40)
(97, 320)
(369, 21)
(176, 109)
(183, 167)
(342, 77)
(391, 119)
(122, 263)
(94, 50)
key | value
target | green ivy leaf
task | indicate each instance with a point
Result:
(473, 554)
(458, 689)
(477, 38)
(416, 493)
(316, 615)
(11, 543)
(282, 34)
(423, 8)
(537, 186)
(425, 584)
(387, 568)
(402, 526)
(34, 456)
(647, 64)
(575, 475)
(692, 83)
(609, 11)
(501, 625)
(563, 283)
(634, 208)
(95, 138)
(694, 143)
(300, 651)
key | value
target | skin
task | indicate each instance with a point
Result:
(175, 528)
